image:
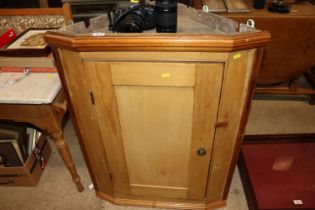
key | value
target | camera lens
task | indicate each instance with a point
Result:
(132, 23)
(165, 16)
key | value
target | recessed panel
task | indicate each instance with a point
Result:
(153, 74)
(156, 125)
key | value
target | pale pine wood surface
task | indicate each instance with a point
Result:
(156, 128)
(149, 56)
(206, 101)
(150, 127)
(99, 77)
(234, 91)
(85, 120)
(45, 62)
(139, 144)
(153, 74)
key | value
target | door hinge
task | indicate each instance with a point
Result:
(110, 176)
(92, 98)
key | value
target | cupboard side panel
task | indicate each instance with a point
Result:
(246, 110)
(235, 86)
(84, 119)
(106, 108)
(206, 101)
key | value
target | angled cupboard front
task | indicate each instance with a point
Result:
(160, 118)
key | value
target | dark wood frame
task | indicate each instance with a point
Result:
(279, 76)
(46, 117)
(264, 139)
(291, 87)
(34, 52)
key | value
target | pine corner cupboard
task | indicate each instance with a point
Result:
(160, 117)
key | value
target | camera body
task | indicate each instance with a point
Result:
(139, 17)
(134, 19)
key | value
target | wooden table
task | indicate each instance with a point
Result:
(291, 52)
(292, 48)
(39, 100)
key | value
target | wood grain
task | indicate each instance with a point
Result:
(206, 101)
(161, 203)
(106, 109)
(215, 5)
(236, 6)
(282, 60)
(85, 120)
(160, 42)
(234, 92)
(159, 191)
(151, 129)
(156, 128)
(155, 56)
(153, 74)
(44, 62)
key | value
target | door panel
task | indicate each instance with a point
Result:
(156, 125)
(163, 113)
(153, 74)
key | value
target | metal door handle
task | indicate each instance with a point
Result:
(201, 151)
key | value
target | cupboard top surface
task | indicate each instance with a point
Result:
(196, 32)
(160, 42)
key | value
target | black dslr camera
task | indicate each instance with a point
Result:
(139, 17)
(135, 18)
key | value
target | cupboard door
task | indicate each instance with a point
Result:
(158, 122)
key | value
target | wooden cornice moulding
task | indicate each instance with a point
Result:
(160, 204)
(160, 42)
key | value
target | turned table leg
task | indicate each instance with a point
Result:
(46, 117)
(56, 112)
(64, 152)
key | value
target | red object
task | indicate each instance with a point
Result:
(280, 175)
(6, 36)
(31, 69)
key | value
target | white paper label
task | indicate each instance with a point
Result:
(298, 202)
